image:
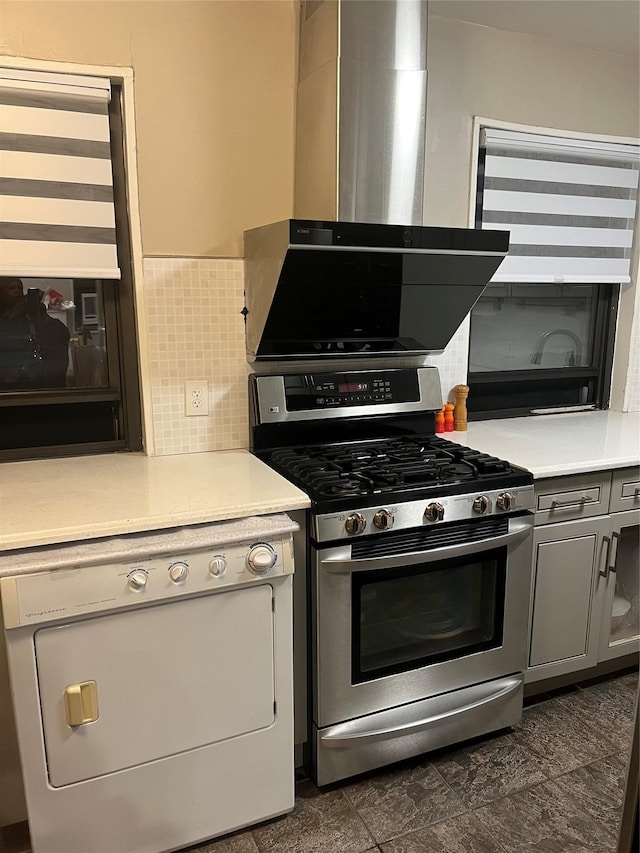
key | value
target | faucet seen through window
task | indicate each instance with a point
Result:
(542, 334)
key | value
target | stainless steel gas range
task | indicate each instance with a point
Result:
(417, 555)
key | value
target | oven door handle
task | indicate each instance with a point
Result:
(362, 731)
(341, 561)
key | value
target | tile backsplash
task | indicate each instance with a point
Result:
(195, 331)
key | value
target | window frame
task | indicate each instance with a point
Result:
(606, 320)
(123, 300)
(523, 384)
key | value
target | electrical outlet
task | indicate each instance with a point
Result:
(196, 399)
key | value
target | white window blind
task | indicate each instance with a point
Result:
(569, 204)
(56, 188)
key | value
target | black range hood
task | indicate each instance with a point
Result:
(339, 289)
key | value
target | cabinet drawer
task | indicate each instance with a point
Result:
(625, 489)
(574, 497)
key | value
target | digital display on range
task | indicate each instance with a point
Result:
(352, 387)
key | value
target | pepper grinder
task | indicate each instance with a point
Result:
(460, 410)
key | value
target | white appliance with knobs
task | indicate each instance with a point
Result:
(153, 689)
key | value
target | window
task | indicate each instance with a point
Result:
(68, 355)
(542, 334)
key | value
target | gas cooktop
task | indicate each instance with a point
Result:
(350, 474)
(361, 445)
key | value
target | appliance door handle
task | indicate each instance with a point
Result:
(345, 564)
(357, 732)
(81, 703)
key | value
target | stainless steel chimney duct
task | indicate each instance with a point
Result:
(361, 111)
(355, 273)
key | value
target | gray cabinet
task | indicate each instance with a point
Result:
(566, 560)
(625, 490)
(584, 596)
(575, 497)
(618, 582)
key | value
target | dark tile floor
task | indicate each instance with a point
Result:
(554, 783)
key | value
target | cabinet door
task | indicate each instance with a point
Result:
(567, 558)
(617, 587)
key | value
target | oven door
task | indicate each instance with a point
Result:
(403, 617)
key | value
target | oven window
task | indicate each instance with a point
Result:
(407, 618)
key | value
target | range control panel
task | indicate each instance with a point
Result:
(307, 391)
(424, 513)
(69, 592)
(294, 397)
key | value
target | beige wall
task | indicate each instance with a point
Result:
(214, 85)
(475, 70)
(215, 96)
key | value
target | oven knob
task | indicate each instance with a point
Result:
(481, 505)
(178, 572)
(434, 512)
(217, 567)
(138, 581)
(505, 501)
(261, 558)
(355, 523)
(383, 519)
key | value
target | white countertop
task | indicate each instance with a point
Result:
(62, 500)
(555, 445)
(65, 500)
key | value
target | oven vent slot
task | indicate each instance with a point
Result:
(426, 538)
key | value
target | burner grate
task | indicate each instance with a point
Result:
(384, 466)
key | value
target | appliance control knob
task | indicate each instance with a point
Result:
(261, 558)
(355, 523)
(505, 501)
(138, 581)
(481, 505)
(383, 519)
(434, 512)
(178, 572)
(217, 566)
